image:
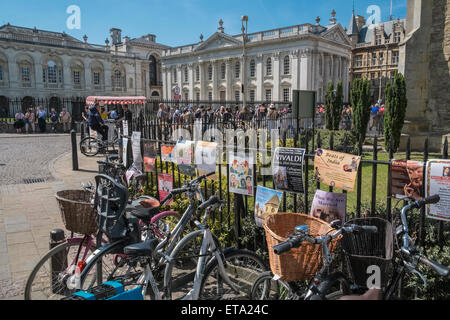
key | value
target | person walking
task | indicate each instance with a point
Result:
(19, 123)
(54, 119)
(42, 118)
(31, 120)
(65, 119)
(96, 122)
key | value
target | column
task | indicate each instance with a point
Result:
(203, 69)
(165, 84)
(229, 78)
(260, 94)
(107, 75)
(87, 75)
(214, 80)
(38, 70)
(296, 69)
(67, 74)
(276, 77)
(191, 75)
(305, 67)
(180, 79)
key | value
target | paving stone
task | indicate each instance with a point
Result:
(15, 220)
(11, 228)
(19, 237)
(23, 262)
(19, 249)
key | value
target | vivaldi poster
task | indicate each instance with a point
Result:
(241, 174)
(336, 169)
(205, 157)
(438, 182)
(407, 179)
(267, 202)
(184, 153)
(165, 185)
(329, 206)
(287, 169)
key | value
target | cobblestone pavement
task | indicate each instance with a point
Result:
(25, 157)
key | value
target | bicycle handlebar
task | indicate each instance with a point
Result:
(212, 201)
(439, 268)
(429, 200)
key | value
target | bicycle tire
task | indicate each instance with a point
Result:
(329, 287)
(91, 144)
(165, 227)
(31, 281)
(212, 287)
(265, 288)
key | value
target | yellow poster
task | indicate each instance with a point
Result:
(336, 169)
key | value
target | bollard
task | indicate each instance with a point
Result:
(82, 130)
(58, 261)
(73, 134)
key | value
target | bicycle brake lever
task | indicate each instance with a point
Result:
(413, 270)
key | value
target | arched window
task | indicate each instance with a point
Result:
(197, 73)
(286, 65)
(117, 79)
(269, 67)
(130, 82)
(223, 71)
(252, 68)
(175, 80)
(1, 73)
(153, 71)
(186, 75)
(52, 72)
(210, 72)
(237, 70)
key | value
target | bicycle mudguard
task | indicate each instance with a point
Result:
(106, 291)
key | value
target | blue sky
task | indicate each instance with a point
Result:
(179, 22)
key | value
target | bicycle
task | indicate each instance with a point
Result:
(91, 146)
(268, 287)
(146, 261)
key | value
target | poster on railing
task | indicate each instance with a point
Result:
(150, 154)
(287, 169)
(267, 201)
(167, 153)
(184, 153)
(336, 169)
(125, 152)
(136, 148)
(241, 174)
(407, 179)
(206, 158)
(125, 128)
(329, 206)
(438, 182)
(165, 185)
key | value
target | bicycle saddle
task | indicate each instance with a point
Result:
(141, 249)
(144, 208)
(112, 157)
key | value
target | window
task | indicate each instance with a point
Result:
(237, 70)
(117, 79)
(394, 57)
(210, 95)
(268, 94)
(186, 75)
(197, 73)
(223, 71)
(378, 38)
(286, 65)
(237, 95)
(252, 95)
(96, 78)
(381, 58)
(358, 61)
(26, 74)
(76, 77)
(397, 36)
(186, 96)
(286, 94)
(197, 96)
(320, 66)
(374, 59)
(175, 80)
(1, 73)
(269, 67)
(52, 72)
(372, 75)
(252, 68)
(210, 73)
(130, 83)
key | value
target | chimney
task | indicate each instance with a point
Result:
(116, 36)
(150, 37)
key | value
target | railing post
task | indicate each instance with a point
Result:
(73, 135)
(374, 176)
(422, 210)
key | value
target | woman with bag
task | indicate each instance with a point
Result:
(19, 123)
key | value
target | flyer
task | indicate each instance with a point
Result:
(125, 152)
(149, 164)
(150, 154)
(287, 169)
(205, 158)
(336, 169)
(438, 182)
(165, 185)
(407, 179)
(329, 206)
(241, 175)
(184, 153)
(125, 128)
(136, 148)
(167, 153)
(267, 202)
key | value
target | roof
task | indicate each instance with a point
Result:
(367, 33)
(145, 41)
(353, 28)
(33, 31)
(116, 100)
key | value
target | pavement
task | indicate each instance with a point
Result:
(28, 212)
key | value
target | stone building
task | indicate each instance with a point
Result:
(375, 54)
(305, 57)
(425, 62)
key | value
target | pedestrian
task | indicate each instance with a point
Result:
(96, 122)
(54, 119)
(31, 120)
(19, 123)
(65, 119)
(42, 118)
(85, 114)
(374, 113)
(113, 114)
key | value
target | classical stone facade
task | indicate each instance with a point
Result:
(43, 64)
(375, 54)
(305, 57)
(425, 62)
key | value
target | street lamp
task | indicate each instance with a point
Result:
(244, 66)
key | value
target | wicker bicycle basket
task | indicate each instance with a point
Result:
(299, 263)
(364, 251)
(77, 212)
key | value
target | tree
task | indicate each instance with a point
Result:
(394, 116)
(360, 102)
(329, 106)
(337, 105)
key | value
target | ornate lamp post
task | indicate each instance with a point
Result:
(244, 66)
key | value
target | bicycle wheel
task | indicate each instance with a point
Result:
(90, 146)
(333, 288)
(265, 288)
(44, 283)
(164, 225)
(242, 267)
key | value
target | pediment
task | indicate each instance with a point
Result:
(337, 34)
(218, 40)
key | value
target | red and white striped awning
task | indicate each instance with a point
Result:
(116, 100)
